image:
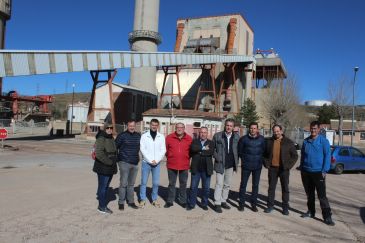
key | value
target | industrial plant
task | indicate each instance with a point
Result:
(186, 92)
(212, 70)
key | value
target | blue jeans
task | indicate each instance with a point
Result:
(195, 179)
(245, 175)
(103, 185)
(146, 169)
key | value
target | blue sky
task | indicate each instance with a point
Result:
(318, 40)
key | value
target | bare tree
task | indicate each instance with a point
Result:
(338, 92)
(281, 104)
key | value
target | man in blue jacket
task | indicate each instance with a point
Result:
(314, 164)
(251, 148)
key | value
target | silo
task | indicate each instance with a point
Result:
(145, 38)
(5, 13)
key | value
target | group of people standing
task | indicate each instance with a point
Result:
(202, 157)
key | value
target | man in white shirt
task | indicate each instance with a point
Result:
(153, 150)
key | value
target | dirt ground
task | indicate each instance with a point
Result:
(48, 191)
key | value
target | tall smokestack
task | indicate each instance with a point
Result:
(5, 13)
(145, 38)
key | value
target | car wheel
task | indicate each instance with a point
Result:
(339, 169)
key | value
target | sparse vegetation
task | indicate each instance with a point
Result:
(61, 101)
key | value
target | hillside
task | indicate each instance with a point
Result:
(59, 106)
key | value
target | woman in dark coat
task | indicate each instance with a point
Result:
(105, 165)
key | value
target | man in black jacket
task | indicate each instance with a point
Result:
(201, 167)
(280, 157)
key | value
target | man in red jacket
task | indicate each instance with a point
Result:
(178, 163)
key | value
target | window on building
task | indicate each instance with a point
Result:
(196, 124)
(362, 136)
(345, 133)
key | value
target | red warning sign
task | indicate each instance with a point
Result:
(3, 133)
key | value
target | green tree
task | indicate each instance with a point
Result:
(247, 113)
(326, 113)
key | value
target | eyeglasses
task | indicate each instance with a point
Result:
(109, 128)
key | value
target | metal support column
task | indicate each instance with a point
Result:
(213, 91)
(167, 72)
(229, 69)
(95, 75)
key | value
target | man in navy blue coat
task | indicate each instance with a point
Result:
(128, 143)
(251, 148)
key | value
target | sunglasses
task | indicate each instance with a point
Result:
(109, 128)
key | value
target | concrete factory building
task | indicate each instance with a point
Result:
(193, 120)
(218, 88)
(129, 103)
(210, 88)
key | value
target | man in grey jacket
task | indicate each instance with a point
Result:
(226, 161)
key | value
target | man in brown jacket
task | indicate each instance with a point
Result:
(280, 157)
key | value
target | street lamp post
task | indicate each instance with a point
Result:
(353, 104)
(72, 105)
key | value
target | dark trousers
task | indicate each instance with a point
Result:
(183, 178)
(245, 175)
(315, 181)
(103, 185)
(195, 179)
(274, 173)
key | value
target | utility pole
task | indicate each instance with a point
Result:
(72, 105)
(353, 104)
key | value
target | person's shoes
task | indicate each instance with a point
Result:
(189, 208)
(168, 204)
(225, 206)
(241, 207)
(142, 204)
(205, 207)
(105, 210)
(254, 208)
(184, 205)
(108, 210)
(156, 204)
(307, 215)
(268, 210)
(132, 205)
(218, 208)
(121, 207)
(285, 211)
(329, 221)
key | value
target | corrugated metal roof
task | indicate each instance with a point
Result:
(20, 63)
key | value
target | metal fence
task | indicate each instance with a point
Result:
(22, 127)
